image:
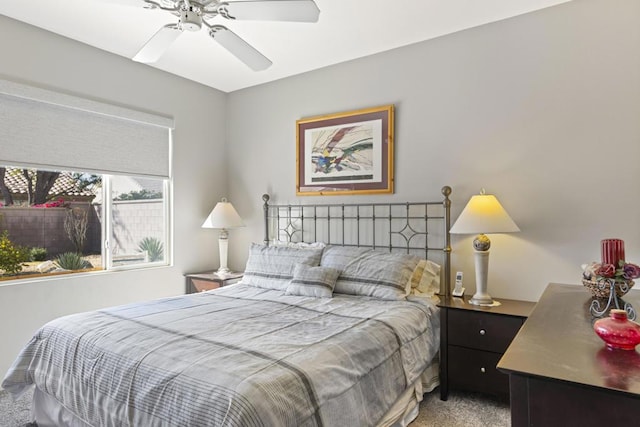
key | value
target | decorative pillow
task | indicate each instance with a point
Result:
(370, 273)
(313, 281)
(271, 267)
(425, 279)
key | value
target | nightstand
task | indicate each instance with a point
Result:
(200, 282)
(472, 341)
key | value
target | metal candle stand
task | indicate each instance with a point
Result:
(613, 299)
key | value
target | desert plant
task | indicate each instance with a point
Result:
(153, 247)
(11, 255)
(37, 254)
(75, 224)
(72, 261)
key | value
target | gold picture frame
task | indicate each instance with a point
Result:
(345, 153)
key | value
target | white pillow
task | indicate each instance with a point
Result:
(298, 245)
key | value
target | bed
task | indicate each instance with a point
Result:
(333, 324)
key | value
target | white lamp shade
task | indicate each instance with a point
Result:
(223, 216)
(484, 214)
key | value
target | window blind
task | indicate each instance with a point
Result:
(51, 130)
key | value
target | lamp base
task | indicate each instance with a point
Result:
(222, 271)
(481, 258)
(223, 246)
(484, 302)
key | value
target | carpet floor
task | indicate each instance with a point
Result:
(461, 410)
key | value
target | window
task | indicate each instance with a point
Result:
(138, 226)
(53, 222)
(85, 184)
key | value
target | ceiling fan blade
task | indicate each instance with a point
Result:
(158, 44)
(133, 3)
(271, 10)
(239, 48)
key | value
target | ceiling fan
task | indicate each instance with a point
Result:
(194, 14)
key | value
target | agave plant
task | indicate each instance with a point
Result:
(72, 261)
(153, 248)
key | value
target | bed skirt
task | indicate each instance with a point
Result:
(48, 412)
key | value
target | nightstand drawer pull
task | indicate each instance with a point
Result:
(483, 370)
(482, 332)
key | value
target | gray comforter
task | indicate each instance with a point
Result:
(237, 356)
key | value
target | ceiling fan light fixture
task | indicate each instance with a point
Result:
(190, 19)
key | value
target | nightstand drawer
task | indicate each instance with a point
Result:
(482, 331)
(204, 285)
(199, 282)
(476, 370)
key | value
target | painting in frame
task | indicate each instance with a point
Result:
(345, 153)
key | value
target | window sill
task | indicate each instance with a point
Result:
(34, 275)
(40, 277)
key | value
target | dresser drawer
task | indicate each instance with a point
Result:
(482, 331)
(476, 370)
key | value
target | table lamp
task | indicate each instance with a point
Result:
(483, 214)
(223, 216)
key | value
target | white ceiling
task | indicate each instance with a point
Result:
(346, 29)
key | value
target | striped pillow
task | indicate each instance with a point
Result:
(313, 281)
(370, 273)
(341, 256)
(271, 267)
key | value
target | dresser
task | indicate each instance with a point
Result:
(472, 340)
(561, 373)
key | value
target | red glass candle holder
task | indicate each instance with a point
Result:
(617, 331)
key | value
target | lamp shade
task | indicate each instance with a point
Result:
(223, 216)
(484, 214)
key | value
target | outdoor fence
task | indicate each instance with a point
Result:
(133, 220)
(44, 227)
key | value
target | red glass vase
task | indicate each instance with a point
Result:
(617, 331)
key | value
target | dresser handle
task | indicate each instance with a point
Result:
(482, 332)
(483, 370)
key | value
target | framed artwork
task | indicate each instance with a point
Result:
(345, 153)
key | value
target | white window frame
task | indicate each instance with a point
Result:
(107, 229)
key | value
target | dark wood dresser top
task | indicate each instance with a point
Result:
(558, 342)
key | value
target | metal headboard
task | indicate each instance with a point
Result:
(421, 228)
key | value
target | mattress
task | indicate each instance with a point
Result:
(236, 356)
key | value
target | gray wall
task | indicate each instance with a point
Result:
(36, 57)
(542, 110)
